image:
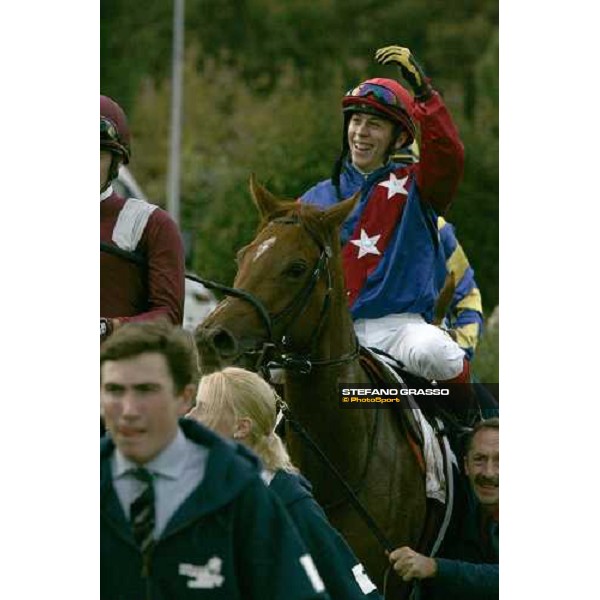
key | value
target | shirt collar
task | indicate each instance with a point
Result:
(106, 193)
(169, 463)
(356, 172)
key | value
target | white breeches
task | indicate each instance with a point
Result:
(424, 349)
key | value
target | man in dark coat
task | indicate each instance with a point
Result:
(184, 513)
(467, 567)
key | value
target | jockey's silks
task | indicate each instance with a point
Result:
(393, 259)
(380, 214)
(466, 312)
(410, 270)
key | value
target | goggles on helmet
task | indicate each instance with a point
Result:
(110, 138)
(380, 100)
(108, 131)
(380, 93)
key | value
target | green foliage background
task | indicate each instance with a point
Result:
(263, 82)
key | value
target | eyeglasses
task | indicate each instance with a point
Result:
(380, 93)
(108, 132)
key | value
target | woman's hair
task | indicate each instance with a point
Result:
(246, 395)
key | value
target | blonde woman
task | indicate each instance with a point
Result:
(239, 404)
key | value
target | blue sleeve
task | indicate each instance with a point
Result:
(271, 559)
(310, 196)
(342, 573)
(469, 581)
(322, 194)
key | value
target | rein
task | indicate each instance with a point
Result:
(238, 293)
(352, 495)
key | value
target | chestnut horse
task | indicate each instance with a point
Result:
(290, 304)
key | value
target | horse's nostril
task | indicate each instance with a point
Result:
(224, 342)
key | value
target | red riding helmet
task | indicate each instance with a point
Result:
(385, 98)
(114, 130)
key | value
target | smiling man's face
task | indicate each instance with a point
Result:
(482, 466)
(369, 139)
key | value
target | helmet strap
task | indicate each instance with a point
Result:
(339, 163)
(113, 170)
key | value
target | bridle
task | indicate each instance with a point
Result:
(275, 351)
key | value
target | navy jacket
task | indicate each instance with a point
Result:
(231, 539)
(467, 562)
(342, 573)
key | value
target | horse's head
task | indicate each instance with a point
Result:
(289, 281)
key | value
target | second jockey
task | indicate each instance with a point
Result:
(142, 262)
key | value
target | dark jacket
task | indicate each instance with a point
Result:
(231, 539)
(468, 560)
(343, 575)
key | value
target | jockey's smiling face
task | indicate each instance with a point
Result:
(369, 139)
(105, 159)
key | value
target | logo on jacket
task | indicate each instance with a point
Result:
(203, 576)
(365, 584)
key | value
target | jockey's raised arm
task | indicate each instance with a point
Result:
(442, 154)
(394, 261)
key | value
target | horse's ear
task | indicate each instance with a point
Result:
(266, 202)
(336, 215)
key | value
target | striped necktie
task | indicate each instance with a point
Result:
(142, 512)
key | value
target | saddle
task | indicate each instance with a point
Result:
(420, 421)
(383, 367)
(384, 370)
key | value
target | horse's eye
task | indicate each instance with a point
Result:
(296, 269)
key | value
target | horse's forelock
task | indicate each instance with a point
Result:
(310, 217)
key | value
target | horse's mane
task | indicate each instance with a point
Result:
(311, 217)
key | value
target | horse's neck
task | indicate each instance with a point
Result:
(315, 402)
(315, 398)
(338, 338)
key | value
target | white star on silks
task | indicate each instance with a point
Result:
(395, 185)
(366, 244)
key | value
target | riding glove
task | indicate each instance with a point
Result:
(409, 68)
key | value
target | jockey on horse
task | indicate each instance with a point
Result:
(142, 262)
(394, 260)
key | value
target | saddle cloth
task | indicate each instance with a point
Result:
(435, 465)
